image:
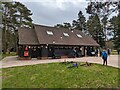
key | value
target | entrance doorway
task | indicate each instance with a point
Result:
(34, 52)
(50, 51)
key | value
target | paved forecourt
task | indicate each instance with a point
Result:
(12, 61)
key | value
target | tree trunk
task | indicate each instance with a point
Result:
(105, 36)
(16, 41)
(4, 42)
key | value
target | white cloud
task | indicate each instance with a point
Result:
(74, 1)
(51, 12)
(55, 3)
(63, 4)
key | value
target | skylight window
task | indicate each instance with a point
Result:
(66, 34)
(49, 33)
(78, 35)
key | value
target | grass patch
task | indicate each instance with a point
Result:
(56, 75)
(114, 52)
(7, 54)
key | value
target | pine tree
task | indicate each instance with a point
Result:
(67, 25)
(81, 20)
(75, 24)
(95, 29)
(80, 23)
(14, 15)
(117, 35)
(103, 10)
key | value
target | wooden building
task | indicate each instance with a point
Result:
(44, 42)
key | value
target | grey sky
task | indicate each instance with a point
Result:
(52, 12)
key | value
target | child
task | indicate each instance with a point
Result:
(104, 57)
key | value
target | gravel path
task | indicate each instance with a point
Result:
(12, 61)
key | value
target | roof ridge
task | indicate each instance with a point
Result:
(57, 28)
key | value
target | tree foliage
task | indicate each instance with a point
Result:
(64, 25)
(95, 29)
(104, 10)
(79, 24)
(15, 15)
(115, 26)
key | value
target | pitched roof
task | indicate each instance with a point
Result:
(39, 35)
(27, 36)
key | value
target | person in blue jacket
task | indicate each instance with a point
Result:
(104, 57)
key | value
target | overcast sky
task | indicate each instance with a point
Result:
(52, 12)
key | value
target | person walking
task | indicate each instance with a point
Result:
(100, 52)
(96, 52)
(108, 51)
(104, 57)
(118, 50)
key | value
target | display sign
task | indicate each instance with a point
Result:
(26, 53)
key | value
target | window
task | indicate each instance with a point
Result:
(53, 41)
(66, 34)
(78, 35)
(49, 33)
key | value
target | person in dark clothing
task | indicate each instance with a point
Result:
(73, 65)
(104, 57)
(75, 52)
(11, 49)
(118, 50)
(96, 52)
(108, 51)
(100, 51)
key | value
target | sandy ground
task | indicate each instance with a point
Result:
(12, 61)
